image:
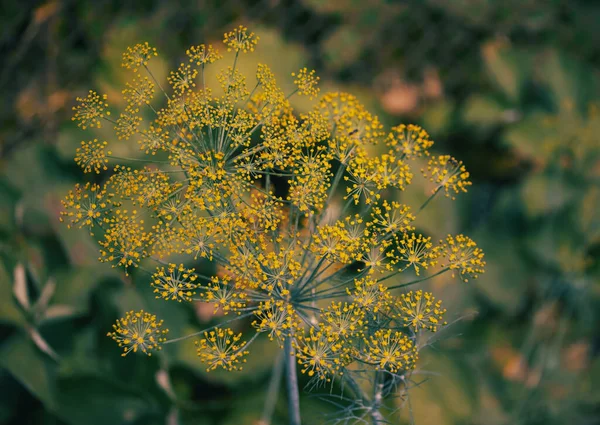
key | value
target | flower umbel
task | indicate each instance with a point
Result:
(221, 348)
(297, 215)
(139, 330)
(420, 310)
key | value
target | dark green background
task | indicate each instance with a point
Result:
(505, 86)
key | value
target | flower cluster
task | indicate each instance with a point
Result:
(139, 330)
(298, 213)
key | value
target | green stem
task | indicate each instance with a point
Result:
(292, 383)
(412, 282)
(273, 391)
(428, 200)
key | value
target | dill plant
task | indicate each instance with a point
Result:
(318, 269)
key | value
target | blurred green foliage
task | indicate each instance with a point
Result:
(510, 86)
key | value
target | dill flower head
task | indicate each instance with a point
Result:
(92, 156)
(306, 81)
(240, 40)
(138, 56)
(139, 330)
(417, 251)
(462, 253)
(296, 212)
(90, 110)
(139, 92)
(448, 174)
(203, 54)
(420, 310)
(390, 350)
(321, 354)
(87, 206)
(410, 141)
(222, 348)
(174, 283)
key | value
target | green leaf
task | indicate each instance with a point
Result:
(484, 111)
(94, 400)
(505, 66)
(9, 311)
(28, 365)
(20, 287)
(542, 194)
(530, 135)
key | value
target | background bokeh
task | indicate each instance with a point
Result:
(510, 87)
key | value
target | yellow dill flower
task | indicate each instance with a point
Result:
(370, 296)
(222, 348)
(335, 243)
(461, 253)
(306, 81)
(320, 355)
(195, 234)
(239, 40)
(153, 139)
(416, 251)
(91, 110)
(390, 350)
(233, 83)
(294, 211)
(447, 173)
(369, 176)
(203, 54)
(392, 217)
(420, 310)
(139, 330)
(125, 240)
(343, 320)
(87, 206)
(92, 155)
(350, 124)
(182, 80)
(138, 56)
(273, 95)
(411, 141)
(275, 318)
(139, 92)
(224, 295)
(309, 186)
(175, 283)
(128, 123)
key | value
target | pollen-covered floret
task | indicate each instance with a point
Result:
(240, 40)
(138, 56)
(448, 174)
(91, 110)
(417, 251)
(92, 156)
(203, 54)
(410, 141)
(321, 355)
(390, 350)
(222, 348)
(139, 330)
(306, 81)
(462, 253)
(174, 283)
(420, 310)
(87, 206)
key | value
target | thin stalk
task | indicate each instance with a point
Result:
(181, 338)
(428, 200)
(412, 282)
(373, 409)
(272, 391)
(292, 383)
